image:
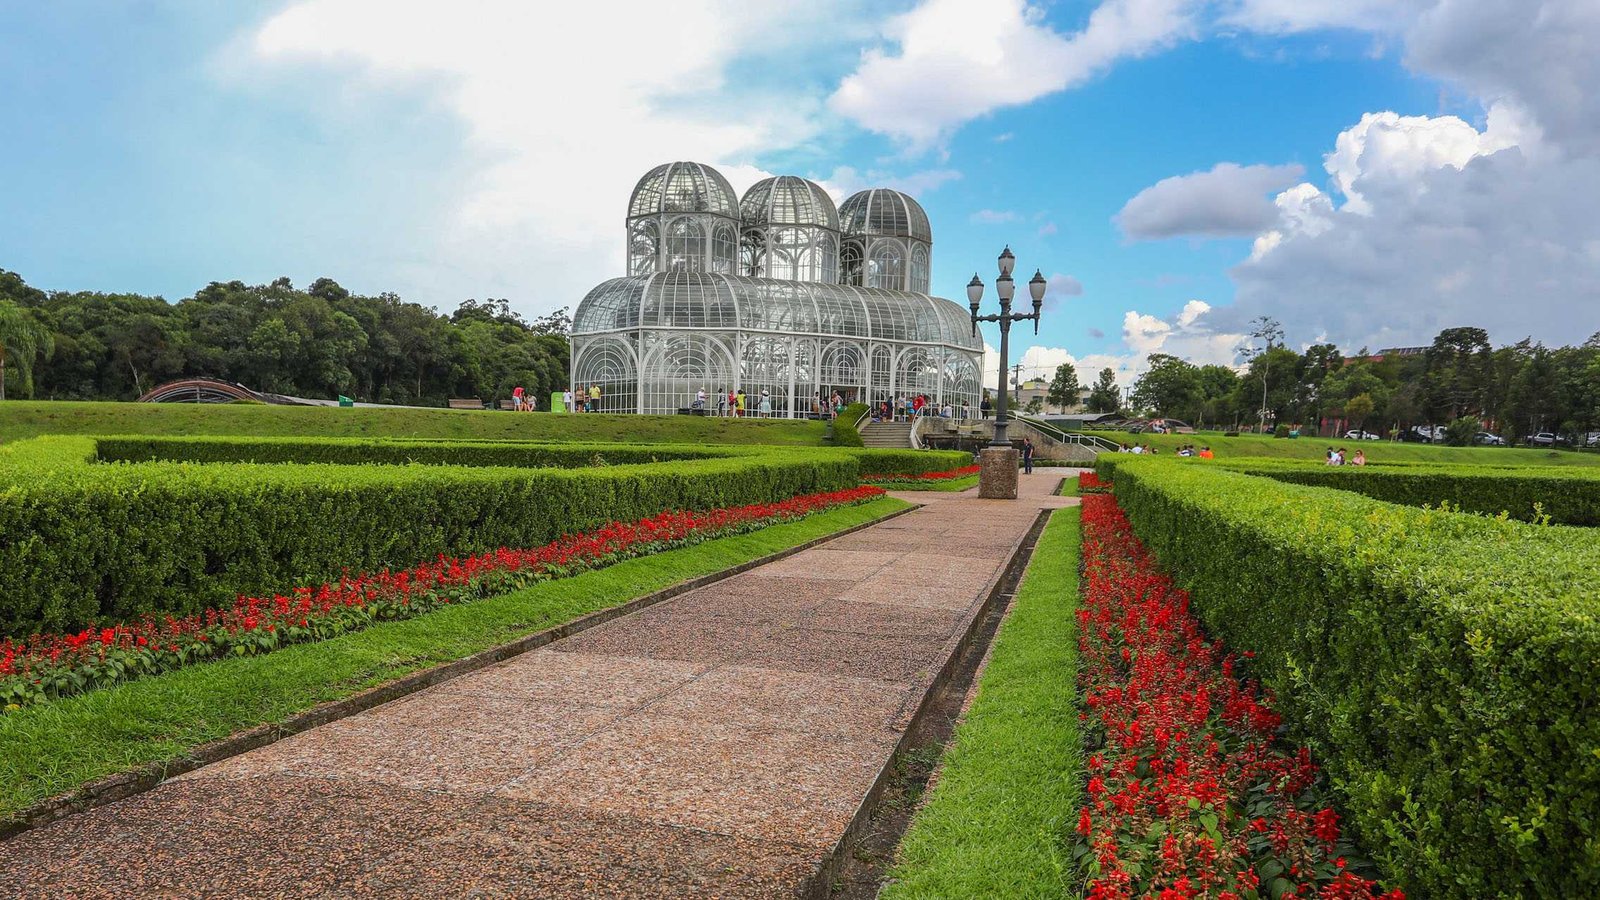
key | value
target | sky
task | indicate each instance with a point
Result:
(1367, 172)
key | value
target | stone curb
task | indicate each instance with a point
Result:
(147, 777)
(819, 885)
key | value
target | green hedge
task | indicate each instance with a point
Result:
(83, 542)
(1443, 666)
(845, 433)
(1566, 496)
(348, 451)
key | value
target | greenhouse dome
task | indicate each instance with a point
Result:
(781, 315)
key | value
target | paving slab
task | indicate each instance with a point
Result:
(714, 745)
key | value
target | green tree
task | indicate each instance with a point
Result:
(1358, 409)
(1104, 397)
(1169, 387)
(1063, 391)
(1461, 431)
(1456, 376)
(23, 339)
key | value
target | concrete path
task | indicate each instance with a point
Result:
(716, 745)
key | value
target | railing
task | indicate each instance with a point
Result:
(1051, 432)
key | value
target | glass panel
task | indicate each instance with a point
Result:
(686, 245)
(609, 363)
(886, 269)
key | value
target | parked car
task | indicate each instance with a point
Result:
(1421, 434)
(1488, 439)
(1357, 435)
(1544, 439)
(1592, 439)
(1171, 426)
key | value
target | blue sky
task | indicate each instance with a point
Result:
(486, 148)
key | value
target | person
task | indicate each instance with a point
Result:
(1329, 459)
(700, 401)
(816, 406)
(1360, 458)
(1123, 448)
(739, 403)
(594, 397)
(1338, 458)
(722, 403)
(1027, 456)
(1137, 448)
(916, 405)
(566, 401)
(986, 406)
(733, 403)
(765, 409)
(1205, 453)
(516, 398)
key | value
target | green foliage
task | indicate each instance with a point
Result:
(845, 433)
(1063, 390)
(1282, 431)
(24, 419)
(356, 451)
(1564, 496)
(1170, 387)
(23, 340)
(1009, 787)
(319, 342)
(1259, 446)
(1460, 432)
(1440, 664)
(81, 541)
(58, 747)
(1105, 397)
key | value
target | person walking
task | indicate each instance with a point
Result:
(1027, 456)
(566, 401)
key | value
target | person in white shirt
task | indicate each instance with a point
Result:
(566, 400)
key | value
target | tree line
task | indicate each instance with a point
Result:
(319, 342)
(1460, 379)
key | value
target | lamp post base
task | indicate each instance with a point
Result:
(997, 473)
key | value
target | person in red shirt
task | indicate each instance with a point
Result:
(516, 399)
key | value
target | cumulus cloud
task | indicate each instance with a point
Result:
(553, 137)
(1230, 200)
(1437, 228)
(949, 61)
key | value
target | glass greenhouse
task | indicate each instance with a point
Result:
(778, 293)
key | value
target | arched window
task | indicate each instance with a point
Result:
(919, 269)
(827, 258)
(753, 253)
(887, 268)
(686, 245)
(723, 252)
(852, 266)
(644, 245)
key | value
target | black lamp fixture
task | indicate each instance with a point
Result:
(1007, 289)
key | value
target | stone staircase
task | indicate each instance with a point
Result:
(890, 435)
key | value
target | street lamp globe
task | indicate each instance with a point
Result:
(1007, 261)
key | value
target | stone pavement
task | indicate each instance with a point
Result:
(715, 745)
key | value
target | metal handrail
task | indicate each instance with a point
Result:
(1093, 442)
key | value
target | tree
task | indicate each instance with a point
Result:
(23, 339)
(1358, 408)
(1035, 405)
(1104, 397)
(1264, 330)
(1170, 387)
(1063, 391)
(1456, 374)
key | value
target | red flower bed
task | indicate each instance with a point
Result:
(962, 472)
(1189, 796)
(1090, 483)
(47, 666)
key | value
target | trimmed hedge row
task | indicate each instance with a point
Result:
(211, 518)
(81, 542)
(347, 451)
(1443, 665)
(1566, 496)
(845, 433)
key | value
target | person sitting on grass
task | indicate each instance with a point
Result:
(1360, 458)
(1205, 453)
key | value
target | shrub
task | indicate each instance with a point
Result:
(1281, 431)
(1442, 665)
(844, 427)
(1563, 496)
(83, 542)
(1460, 432)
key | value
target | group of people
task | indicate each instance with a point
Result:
(735, 403)
(1201, 453)
(1340, 457)
(584, 400)
(1187, 450)
(906, 409)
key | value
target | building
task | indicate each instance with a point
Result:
(777, 292)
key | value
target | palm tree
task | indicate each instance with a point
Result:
(23, 339)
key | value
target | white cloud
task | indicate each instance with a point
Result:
(993, 216)
(845, 180)
(1441, 225)
(1060, 285)
(553, 134)
(1230, 200)
(954, 60)
(1047, 229)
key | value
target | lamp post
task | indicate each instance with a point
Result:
(1006, 288)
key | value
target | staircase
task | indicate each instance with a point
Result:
(890, 435)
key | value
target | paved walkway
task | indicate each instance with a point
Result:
(716, 745)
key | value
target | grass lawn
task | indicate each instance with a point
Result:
(997, 821)
(1377, 451)
(930, 484)
(29, 418)
(58, 747)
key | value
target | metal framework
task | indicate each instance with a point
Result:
(824, 300)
